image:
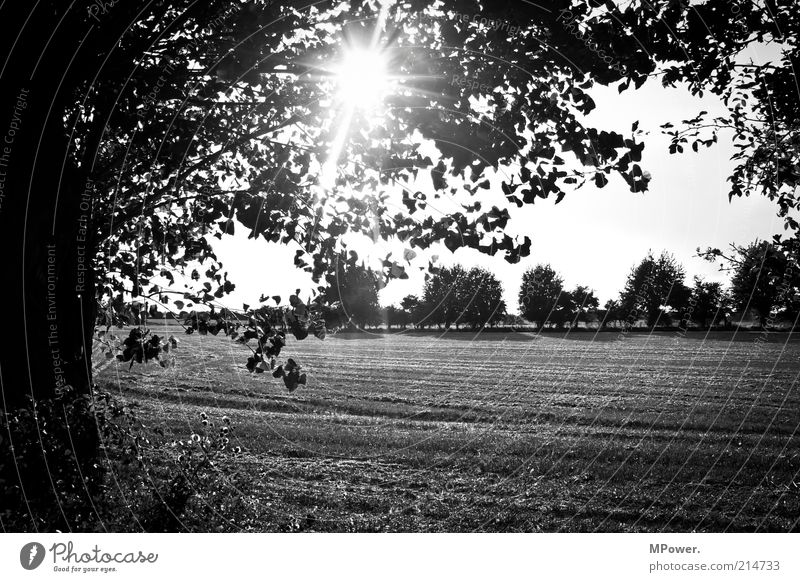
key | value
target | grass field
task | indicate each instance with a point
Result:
(499, 432)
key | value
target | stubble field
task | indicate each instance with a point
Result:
(496, 431)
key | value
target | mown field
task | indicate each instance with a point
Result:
(498, 432)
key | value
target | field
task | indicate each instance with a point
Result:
(498, 432)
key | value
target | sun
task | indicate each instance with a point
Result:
(362, 79)
(362, 82)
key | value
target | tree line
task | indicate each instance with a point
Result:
(451, 297)
(764, 282)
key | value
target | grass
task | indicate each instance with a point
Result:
(498, 432)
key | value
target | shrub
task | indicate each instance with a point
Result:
(86, 463)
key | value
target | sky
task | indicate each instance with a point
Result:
(594, 236)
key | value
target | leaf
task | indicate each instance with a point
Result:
(437, 177)
(299, 332)
(398, 271)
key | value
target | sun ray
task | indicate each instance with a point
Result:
(330, 169)
(362, 82)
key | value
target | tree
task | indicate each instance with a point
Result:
(709, 303)
(406, 314)
(391, 316)
(485, 304)
(765, 278)
(611, 313)
(443, 297)
(409, 303)
(653, 286)
(352, 294)
(515, 322)
(753, 284)
(396, 317)
(439, 299)
(455, 296)
(542, 298)
(582, 304)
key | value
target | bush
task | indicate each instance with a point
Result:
(49, 469)
(86, 463)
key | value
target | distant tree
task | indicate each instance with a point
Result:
(654, 286)
(410, 310)
(753, 281)
(515, 321)
(610, 313)
(484, 295)
(607, 315)
(352, 294)
(542, 298)
(455, 296)
(765, 278)
(440, 303)
(582, 304)
(709, 304)
(394, 316)
(410, 303)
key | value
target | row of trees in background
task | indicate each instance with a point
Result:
(452, 296)
(764, 282)
(544, 300)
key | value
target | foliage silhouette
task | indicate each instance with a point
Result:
(653, 287)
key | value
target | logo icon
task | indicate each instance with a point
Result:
(31, 555)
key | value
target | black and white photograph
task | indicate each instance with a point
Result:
(405, 266)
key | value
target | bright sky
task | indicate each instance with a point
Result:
(593, 237)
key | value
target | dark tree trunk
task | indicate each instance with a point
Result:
(48, 291)
(45, 215)
(55, 55)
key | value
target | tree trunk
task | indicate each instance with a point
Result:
(48, 291)
(45, 215)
